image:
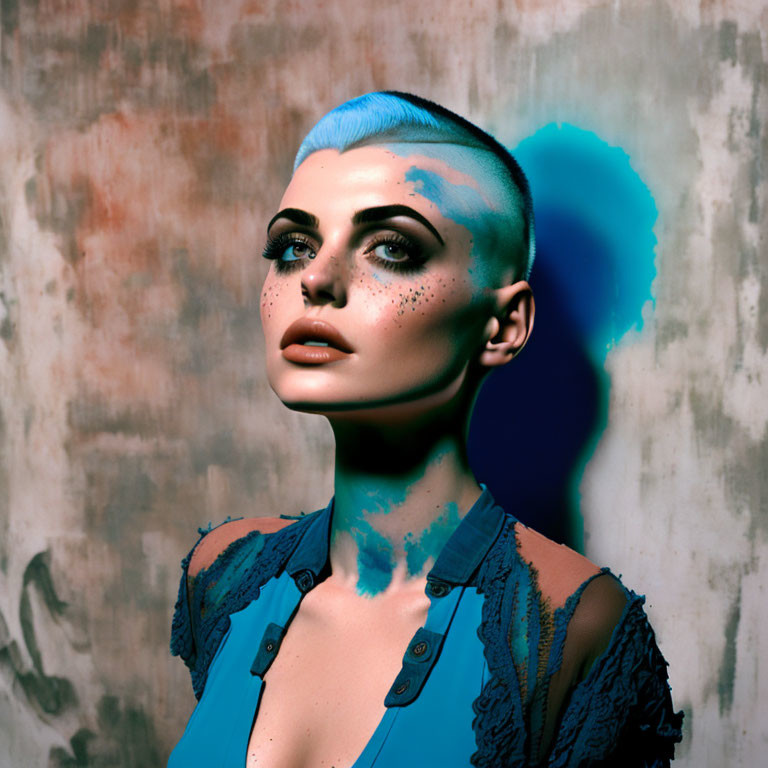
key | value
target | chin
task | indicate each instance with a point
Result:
(380, 407)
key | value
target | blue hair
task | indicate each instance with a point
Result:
(393, 116)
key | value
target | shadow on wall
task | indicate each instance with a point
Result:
(537, 421)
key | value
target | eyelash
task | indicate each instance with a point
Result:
(415, 261)
(277, 245)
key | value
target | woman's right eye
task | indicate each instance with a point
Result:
(296, 251)
(288, 251)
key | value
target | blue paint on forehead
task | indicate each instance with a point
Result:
(462, 204)
(490, 211)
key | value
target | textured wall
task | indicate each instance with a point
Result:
(144, 145)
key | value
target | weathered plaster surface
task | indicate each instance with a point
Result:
(143, 147)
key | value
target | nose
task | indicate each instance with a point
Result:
(324, 279)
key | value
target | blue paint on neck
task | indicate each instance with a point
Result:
(431, 540)
(375, 560)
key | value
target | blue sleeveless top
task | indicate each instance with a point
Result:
(473, 682)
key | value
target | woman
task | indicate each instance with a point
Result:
(411, 622)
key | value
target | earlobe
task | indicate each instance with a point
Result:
(508, 332)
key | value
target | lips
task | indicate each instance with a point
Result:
(313, 341)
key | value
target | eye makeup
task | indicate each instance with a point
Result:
(383, 248)
(389, 250)
(277, 247)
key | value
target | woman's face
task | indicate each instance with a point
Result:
(370, 300)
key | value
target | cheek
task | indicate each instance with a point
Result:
(270, 298)
(424, 309)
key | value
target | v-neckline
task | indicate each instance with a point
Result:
(465, 548)
(380, 732)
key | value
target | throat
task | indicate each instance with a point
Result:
(399, 496)
(377, 547)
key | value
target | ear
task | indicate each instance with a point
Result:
(507, 332)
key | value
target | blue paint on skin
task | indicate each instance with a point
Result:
(594, 224)
(462, 204)
(360, 502)
(431, 540)
(490, 211)
(382, 279)
(375, 560)
(375, 552)
(364, 501)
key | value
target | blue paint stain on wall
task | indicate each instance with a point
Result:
(591, 280)
(594, 221)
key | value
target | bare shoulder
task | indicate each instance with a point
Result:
(560, 573)
(560, 570)
(215, 542)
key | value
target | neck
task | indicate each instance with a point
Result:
(400, 492)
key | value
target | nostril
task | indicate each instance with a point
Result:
(322, 287)
(319, 296)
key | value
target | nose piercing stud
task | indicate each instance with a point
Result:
(312, 255)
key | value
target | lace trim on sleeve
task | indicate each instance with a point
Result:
(182, 636)
(233, 580)
(500, 731)
(622, 711)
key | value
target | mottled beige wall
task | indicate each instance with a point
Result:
(144, 145)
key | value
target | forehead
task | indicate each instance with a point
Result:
(456, 187)
(372, 171)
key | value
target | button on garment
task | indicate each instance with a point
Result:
(232, 692)
(472, 687)
(426, 695)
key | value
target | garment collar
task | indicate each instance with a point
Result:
(458, 560)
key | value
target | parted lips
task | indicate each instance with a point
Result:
(313, 329)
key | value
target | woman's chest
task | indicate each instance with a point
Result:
(323, 696)
(309, 687)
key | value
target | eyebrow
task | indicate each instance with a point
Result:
(297, 216)
(366, 216)
(383, 212)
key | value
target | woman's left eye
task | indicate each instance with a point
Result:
(396, 252)
(391, 252)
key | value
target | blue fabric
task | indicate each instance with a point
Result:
(480, 681)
